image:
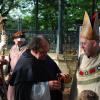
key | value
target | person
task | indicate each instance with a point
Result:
(88, 95)
(20, 45)
(33, 67)
(87, 75)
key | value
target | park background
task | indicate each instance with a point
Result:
(58, 20)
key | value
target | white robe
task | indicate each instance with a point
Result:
(88, 75)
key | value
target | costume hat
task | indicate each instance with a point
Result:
(18, 35)
(90, 30)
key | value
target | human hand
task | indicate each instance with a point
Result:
(54, 85)
(66, 78)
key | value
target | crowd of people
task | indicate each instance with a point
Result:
(34, 75)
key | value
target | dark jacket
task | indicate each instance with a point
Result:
(28, 71)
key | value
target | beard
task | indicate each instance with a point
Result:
(87, 53)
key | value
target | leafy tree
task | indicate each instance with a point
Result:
(48, 12)
(7, 5)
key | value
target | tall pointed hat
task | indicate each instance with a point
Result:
(90, 29)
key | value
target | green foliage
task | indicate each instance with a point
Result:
(7, 5)
(11, 23)
(27, 22)
(47, 12)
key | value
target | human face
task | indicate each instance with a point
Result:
(19, 41)
(40, 54)
(44, 49)
(87, 46)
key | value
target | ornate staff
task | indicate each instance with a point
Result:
(3, 45)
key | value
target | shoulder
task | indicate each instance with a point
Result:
(26, 55)
(81, 56)
(24, 60)
(51, 62)
(13, 48)
(50, 59)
